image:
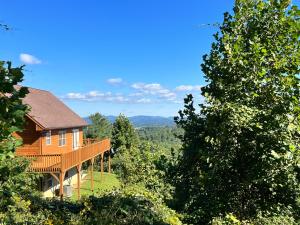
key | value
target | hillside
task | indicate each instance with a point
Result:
(145, 121)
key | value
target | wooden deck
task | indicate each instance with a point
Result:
(58, 163)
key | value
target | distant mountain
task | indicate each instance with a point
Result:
(151, 121)
(144, 121)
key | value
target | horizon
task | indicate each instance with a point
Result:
(135, 58)
(134, 116)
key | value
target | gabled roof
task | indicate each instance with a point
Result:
(49, 112)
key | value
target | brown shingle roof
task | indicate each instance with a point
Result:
(50, 112)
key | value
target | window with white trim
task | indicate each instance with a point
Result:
(48, 137)
(75, 139)
(62, 138)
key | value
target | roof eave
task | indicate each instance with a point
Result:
(63, 128)
(36, 122)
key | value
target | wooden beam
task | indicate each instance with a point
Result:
(61, 184)
(109, 162)
(78, 180)
(101, 164)
(92, 174)
(55, 177)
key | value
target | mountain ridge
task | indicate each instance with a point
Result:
(143, 121)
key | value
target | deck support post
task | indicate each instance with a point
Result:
(55, 177)
(61, 184)
(78, 180)
(109, 162)
(101, 164)
(92, 174)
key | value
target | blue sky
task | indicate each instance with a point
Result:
(137, 57)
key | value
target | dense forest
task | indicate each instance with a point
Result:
(167, 136)
(232, 160)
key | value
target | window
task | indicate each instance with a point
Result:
(75, 139)
(62, 138)
(48, 137)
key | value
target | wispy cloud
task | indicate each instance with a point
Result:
(141, 93)
(115, 81)
(29, 59)
(97, 96)
(155, 89)
(188, 88)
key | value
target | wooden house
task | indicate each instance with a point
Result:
(53, 140)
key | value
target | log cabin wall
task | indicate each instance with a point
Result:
(54, 147)
(31, 139)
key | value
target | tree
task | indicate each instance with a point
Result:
(241, 151)
(123, 133)
(100, 127)
(15, 184)
(12, 111)
(144, 165)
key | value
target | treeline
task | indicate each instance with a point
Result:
(168, 137)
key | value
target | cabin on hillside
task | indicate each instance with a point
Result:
(53, 140)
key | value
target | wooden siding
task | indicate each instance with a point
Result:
(34, 140)
(54, 147)
(31, 139)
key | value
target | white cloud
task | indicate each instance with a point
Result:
(29, 59)
(115, 81)
(92, 96)
(75, 96)
(156, 90)
(188, 88)
(145, 93)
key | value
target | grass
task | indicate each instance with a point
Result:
(102, 185)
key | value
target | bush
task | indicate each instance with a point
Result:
(133, 205)
(277, 217)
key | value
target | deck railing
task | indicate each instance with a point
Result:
(65, 161)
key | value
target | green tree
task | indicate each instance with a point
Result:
(163, 136)
(16, 186)
(100, 127)
(143, 165)
(241, 151)
(12, 111)
(123, 133)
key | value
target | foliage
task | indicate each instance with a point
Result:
(20, 213)
(278, 217)
(100, 127)
(163, 136)
(16, 186)
(123, 133)
(12, 111)
(282, 217)
(229, 219)
(142, 165)
(241, 151)
(133, 205)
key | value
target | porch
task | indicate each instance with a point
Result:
(58, 164)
